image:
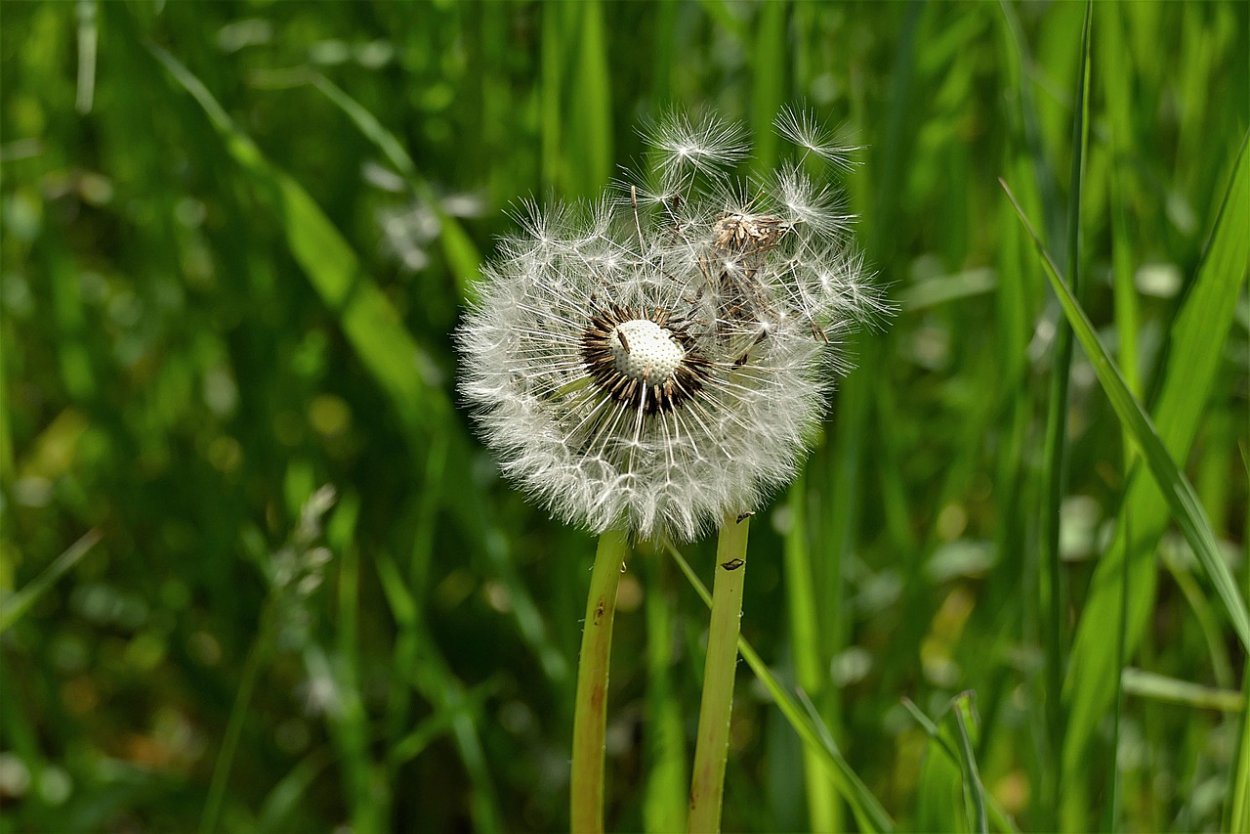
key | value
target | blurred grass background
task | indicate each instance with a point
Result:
(236, 237)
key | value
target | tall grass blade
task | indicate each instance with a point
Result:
(256, 655)
(385, 348)
(1195, 343)
(432, 677)
(1056, 444)
(1239, 806)
(1116, 74)
(768, 80)
(1181, 499)
(667, 780)
(458, 248)
(88, 40)
(589, 114)
(288, 794)
(1158, 687)
(806, 644)
(15, 606)
(943, 743)
(576, 99)
(367, 316)
(973, 789)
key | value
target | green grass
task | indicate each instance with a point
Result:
(202, 322)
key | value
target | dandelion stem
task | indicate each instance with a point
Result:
(590, 711)
(712, 748)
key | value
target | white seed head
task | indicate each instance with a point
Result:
(657, 363)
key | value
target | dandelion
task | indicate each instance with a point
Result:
(655, 363)
(654, 367)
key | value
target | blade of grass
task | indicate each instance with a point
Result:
(868, 812)
(386, 349)
(1055, 454)
(1152, 685)
(458, 248)
(435, 726)
(973, 789)
(1116, 74)
(1181, 499)
(576, 99)
(933, 292)
(288, 794)
(1197, 335)
(16, 605)
(1209, 624)
(996, 813)
(806, 645)
(665, 796)
(1239, 805)
(431, 676)
(368, 319)
(88, 38)
(1121, 659)
(590, 131)
(415, 583)
(839, 470)
(1238, 808)
(1013, 584)
(768, 81)
(256, 655)
(1021, 68)
(369, 796)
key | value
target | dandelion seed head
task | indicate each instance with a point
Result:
(662, 357)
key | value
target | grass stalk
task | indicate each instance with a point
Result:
(805, 639)
(1056, 444)
(234, 724)
(590, 710)
(664, 802)
(973, 787)
(17, 604)
(707, 785)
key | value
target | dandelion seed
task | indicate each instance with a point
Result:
(801, 128)
(705, 143)
(652, 362)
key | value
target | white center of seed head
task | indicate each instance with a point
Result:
(652, 351)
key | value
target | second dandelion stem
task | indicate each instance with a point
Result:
(590, 711)
(707, 785)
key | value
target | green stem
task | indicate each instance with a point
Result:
(805, 641)
(712, 748)
(590, 711)
(234, 725)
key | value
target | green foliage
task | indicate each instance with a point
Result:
(235, 241)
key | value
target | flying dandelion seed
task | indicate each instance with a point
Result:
(660, 357)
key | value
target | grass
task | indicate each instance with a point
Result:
(206, 316)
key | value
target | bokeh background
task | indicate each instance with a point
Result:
(259, 575)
